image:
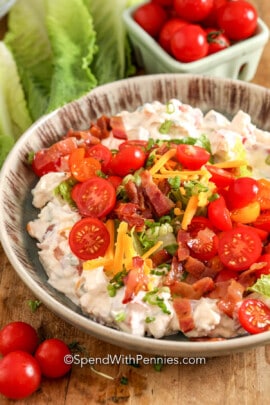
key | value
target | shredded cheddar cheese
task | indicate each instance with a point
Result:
(162, 161)
(230, 164)
(190, 211)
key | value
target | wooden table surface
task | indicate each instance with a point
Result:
(241, 378)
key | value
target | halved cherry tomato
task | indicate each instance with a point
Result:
(242, 191)
(95, 197)
(219, 214)
(203, 246)
(100, 153)
(49, 160)
(260, 232)
(197, 224)
(222, 178)
(254, 316)
(263, 221)
(265, 269)
(239, 248)
(81, 167)
(89, 238)
(192, 157)
(247, 214)
(263, 195)
(127, 160)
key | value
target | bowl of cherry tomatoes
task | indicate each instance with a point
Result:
(214, 37)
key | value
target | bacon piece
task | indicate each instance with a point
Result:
(176, 272)
(194, 267)
(135, 280)
(86, 136)
(118, 128)
(159, 257)
(183, 251)
(193, 291)
(182, 307)
(130, 213)
(160, 203)
(234, 295)
(132, 192)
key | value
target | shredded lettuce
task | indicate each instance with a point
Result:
(262, 286)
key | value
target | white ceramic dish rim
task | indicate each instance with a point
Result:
(122, 339)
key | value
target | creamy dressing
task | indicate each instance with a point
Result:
(88, 288)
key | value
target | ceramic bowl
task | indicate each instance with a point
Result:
(239, 61)
(17, 179)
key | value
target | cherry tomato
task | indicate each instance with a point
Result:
(242, 191)
(219, 214)
(115, 181)
(89, 238)
(127, 160)
(225, 275)
(82, 168)
(265, 269)
(192, 157)
(222, 178)
(197, 224)
(247, 214)
(134, 142)
(211, 19)
(20, 375)
(260, 232)
(49, 160)
(50, 356)
(95, 197)
(254, 316)
(263, 195)
(263, 221)
(203, 246)
(189, 43)
(150, 17)
(217, 41)
(164, 3)
(100, 153)
(167, 31)
(193, 10)
(18, 336)
(238, 19)
(239, 248)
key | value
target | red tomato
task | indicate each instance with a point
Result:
(264, 194)
(197, 224)
(254, 316)
(203, 246)
(263, 221)
(54, 358)
(219, 214)
(127, 160)
(49, 160)
(225, 275)
(18, 336)
(82, 168)
(265, 269)
(167, 31)
(260, 232)
(192, 157)
(238, 19)
(150, 17)
(217, 40)
(211, 19)
(134, 142)
(115, 180)
(242, 191)
(163, 3)
(193, 10)
(239, 248)
(189, 43)
(20, 375)
(100, 153)
(89, 238)
(222, 178)
(95, 197)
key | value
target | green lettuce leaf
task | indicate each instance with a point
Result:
(28, 40)
(73, 43)
(262, 286)
(113, 60)
(14, 115)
